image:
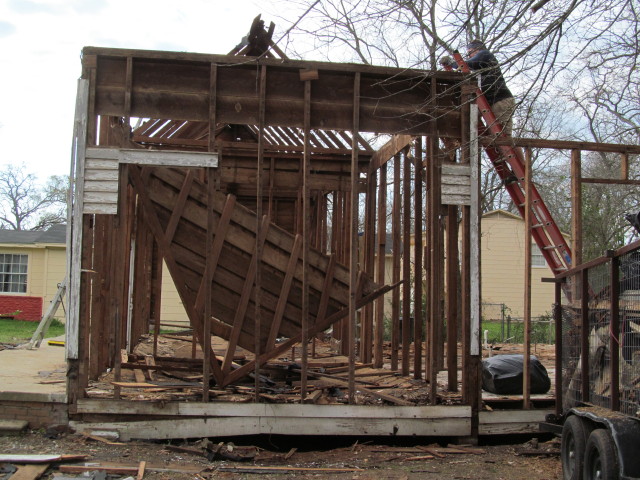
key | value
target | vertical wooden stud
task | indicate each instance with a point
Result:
(353, 257)
(380, 272)
(576, 207)
(259, 246)
(526, 370)
(306, 231)
(452, 297)
(417, 252)
(395, 235)
(406, 263)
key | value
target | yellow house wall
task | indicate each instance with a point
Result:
(45, 270)
(502, 268)
(171, 308)
(55, 262)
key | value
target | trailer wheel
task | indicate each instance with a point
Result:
(574, 440)
(600, 461)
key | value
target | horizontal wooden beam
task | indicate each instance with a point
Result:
(610, 181)
(560, 144)
(123, 407)
(90, 53)
(253, 419)
(165, 158)
(175, 86)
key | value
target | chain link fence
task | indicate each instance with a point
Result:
(501, 327)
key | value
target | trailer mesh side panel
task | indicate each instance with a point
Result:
(571, 349)
(630, 333)
(599, 327)
(601, 339)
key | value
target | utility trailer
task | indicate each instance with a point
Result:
(598, 367)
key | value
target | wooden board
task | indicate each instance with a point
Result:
(29, 472)
(503, 422)
(253, 419)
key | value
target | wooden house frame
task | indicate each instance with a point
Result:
(245, 175)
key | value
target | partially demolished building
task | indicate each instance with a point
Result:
(260, 183)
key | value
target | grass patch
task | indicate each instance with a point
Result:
(513, 332)
(20, 331)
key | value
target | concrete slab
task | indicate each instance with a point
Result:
(34, 375)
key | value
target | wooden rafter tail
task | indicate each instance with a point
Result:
(318, 327)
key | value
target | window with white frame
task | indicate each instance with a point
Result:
(537, 259)
(13, 273)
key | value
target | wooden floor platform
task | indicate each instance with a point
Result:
(158, 420)
(161, 398)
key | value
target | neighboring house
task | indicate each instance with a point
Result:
(502, 267)
(32, 264)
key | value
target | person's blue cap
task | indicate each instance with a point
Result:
(476, 45)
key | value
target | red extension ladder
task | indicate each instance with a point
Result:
(509, 163)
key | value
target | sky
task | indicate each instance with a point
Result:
(40, 46)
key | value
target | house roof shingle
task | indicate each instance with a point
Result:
(55, 234)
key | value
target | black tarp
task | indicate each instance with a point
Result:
(502, 374)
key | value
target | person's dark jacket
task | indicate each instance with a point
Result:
(492, 82)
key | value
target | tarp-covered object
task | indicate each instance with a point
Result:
(502, 374)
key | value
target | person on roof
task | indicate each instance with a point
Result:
(492, 83)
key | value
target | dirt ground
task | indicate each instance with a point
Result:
(522, 459)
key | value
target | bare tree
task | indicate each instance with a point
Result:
(25, 205)
(572, 65)
(606, 77)
(415, 33)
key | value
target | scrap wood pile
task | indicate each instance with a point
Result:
(175, 373)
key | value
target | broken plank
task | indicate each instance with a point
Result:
(290, 453)
(461, 449)
(313, 396)
(421, 457)
(101, 439)
(154, 385)
(29, 472)
(150, 363)
(141, 468)
(125, 469)
(432, 451)
(139, 374)
(346, 368)
(177, 368)
(261, 469)
(19, 458)
(191, 451)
